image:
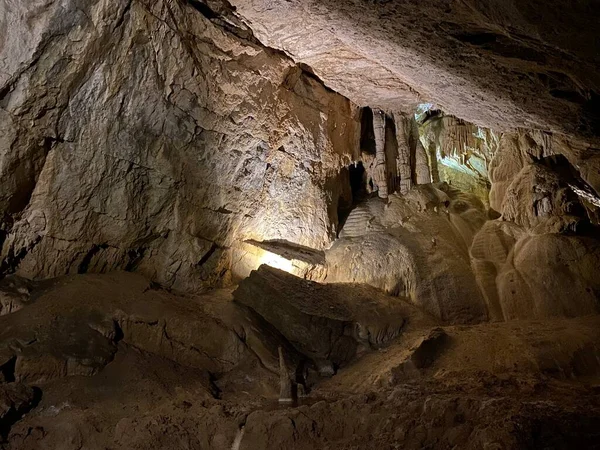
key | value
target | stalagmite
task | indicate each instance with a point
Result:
(275, 224)
(380, 175)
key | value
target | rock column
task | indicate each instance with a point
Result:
(380, 173)
(422, 173)
(403, 159)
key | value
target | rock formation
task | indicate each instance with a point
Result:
(299, 224)
(158, 145)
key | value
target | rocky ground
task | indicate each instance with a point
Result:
(109, 361)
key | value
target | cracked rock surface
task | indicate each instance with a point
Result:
(299, 224)
(500, 64)
(145, 369)
(143, 136)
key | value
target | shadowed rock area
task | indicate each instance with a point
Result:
(299, 224)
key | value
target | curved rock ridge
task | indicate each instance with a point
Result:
(539, 259)
(118, 363)
(163, 137)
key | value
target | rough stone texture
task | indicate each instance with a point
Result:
(539, 276)
(76, 325)
(403, 160)
(523, 384)
(164, 138)
(326, 322)
(15, 400)
(565, 349)
(536, 276)
(489, 252)
(143, 136)
(539, 258)
(416, 246)
(14, 294)
(380, 176)
(537, 196)
(578, 168)
(460, 153)
(512, 64)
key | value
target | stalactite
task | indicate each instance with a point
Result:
(433, 163)
(380, 175)
(457, 137)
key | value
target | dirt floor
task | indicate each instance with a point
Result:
(109, 362)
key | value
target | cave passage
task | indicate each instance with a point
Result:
(299, 225)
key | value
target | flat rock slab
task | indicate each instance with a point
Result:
(325, 321)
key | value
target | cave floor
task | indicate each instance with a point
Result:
(71, 382)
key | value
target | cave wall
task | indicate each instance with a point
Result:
(159, 137)
(540, 258)
(155, 137)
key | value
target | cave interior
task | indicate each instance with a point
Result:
(299, 224)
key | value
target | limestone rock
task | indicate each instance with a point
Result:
(489, 252)
(535, 196)
(421, 355)
(460, 153)
(504, 166)
(146, 136)
(416, 247)
(14, 294)
(544, 275)
(551, 275)
(15, 400)
(324, 322)
(496, 64)
(76, 325)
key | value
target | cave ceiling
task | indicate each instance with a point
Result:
(501, 64)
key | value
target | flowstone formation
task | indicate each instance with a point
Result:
(540, 258)
(299, 224)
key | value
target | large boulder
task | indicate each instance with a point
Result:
(331, 322)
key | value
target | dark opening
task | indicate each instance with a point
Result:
(391, 154)
(367, 134)
(203, 9)
(8, 370)
(353, 191)
(357, 181)
(591, 110)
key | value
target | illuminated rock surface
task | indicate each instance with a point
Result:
(142, 136)
(383, 214)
